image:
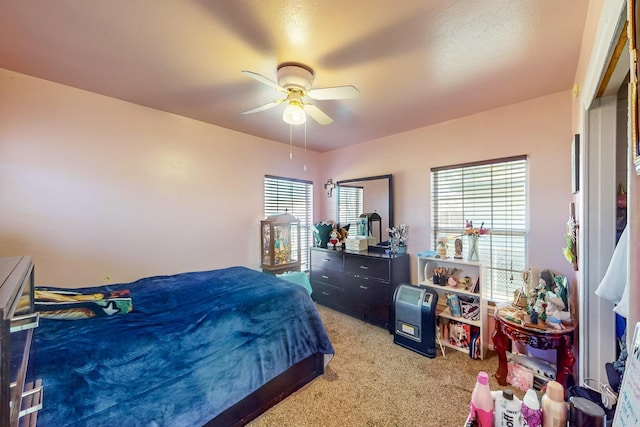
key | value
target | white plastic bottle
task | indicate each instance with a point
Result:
(508, 410)
(554, 408)
(481, 406)
(531, 411)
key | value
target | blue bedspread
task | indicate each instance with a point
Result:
(194, 344)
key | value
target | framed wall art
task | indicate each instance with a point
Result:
(575, 164)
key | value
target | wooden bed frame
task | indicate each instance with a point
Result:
(271, 393)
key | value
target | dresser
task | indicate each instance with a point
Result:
(20, 398)
(360, 284)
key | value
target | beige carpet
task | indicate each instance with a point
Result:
(373, 382)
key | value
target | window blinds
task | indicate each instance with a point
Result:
(350, 206)
(493, 193)
(295, 197)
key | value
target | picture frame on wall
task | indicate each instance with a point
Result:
(632, 35)
(575, 164)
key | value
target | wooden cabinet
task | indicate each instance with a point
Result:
(20, 399)
(469, 296)
(360, 284)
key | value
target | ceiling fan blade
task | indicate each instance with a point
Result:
(265, 106)
(337, 92)
(317, 114)
(263, 79)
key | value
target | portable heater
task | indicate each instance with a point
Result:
(415, 319)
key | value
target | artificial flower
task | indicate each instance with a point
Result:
(470, 229)
(399, 234)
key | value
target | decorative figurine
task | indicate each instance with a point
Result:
(452, 281)
(454, 305)
(458, 245)
(442, 247)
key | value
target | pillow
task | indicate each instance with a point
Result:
(65, 304)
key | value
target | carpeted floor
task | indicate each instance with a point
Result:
(373, 382)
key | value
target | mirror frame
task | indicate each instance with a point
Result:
(388, 177)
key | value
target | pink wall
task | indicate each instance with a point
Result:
(539, 128)
(92, 186)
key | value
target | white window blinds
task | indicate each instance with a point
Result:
(295, 197)
(350, 205)
(493, 193)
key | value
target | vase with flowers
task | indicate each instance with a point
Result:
(473, 234)
(398, 237)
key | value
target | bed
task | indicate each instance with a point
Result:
(200, 348)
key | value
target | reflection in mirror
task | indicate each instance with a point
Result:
(367, 195)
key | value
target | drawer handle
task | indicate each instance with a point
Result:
(327, 259)
(364, 267)
(35, 397)
(22, 323)
(364, 287)
(325, 277)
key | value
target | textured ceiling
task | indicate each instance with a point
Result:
(415, 63)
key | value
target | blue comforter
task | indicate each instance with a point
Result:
(194, 344)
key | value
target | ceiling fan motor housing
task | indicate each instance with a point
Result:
(293, 75)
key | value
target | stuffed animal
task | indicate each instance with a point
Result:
(343, 232)
(334, 237)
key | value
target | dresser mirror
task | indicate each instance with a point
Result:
(366, 196)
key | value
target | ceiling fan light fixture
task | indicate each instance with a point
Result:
(294, 114)
(295, 80)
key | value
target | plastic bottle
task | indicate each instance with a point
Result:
(554, 408)
(508, 410)
(531, 411)
(481, 406)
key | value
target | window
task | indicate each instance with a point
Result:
(350, 199)
(493, 192)
(295, 197)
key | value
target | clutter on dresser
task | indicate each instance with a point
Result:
(329, 234)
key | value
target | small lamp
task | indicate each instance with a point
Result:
(293, 113)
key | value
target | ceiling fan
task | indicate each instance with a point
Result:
(295, 81)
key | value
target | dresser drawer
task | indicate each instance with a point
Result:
(326, 259)
(328, 295)
(374, 312)
(362, 287)
(365, 266)
(330, 277)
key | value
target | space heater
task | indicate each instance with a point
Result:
(415, 319)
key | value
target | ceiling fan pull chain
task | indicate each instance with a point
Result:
(305, 146)
(290, 141)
